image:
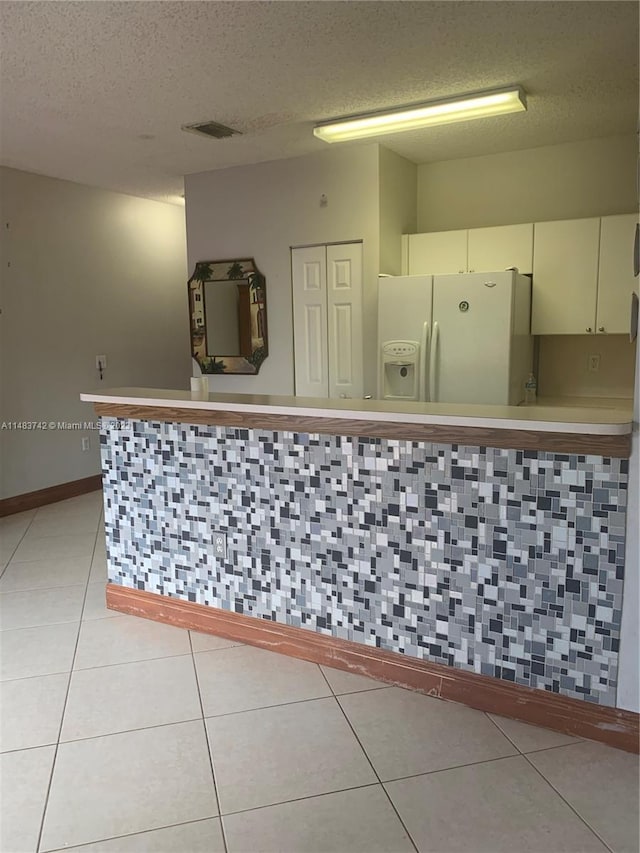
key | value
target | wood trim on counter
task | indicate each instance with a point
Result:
(583, 719)
(509, 439)
(50, 495)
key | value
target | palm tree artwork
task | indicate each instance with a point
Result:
(235, 271)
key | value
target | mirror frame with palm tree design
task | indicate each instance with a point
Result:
(252, 316)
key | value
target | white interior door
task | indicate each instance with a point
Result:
(344, 319)
(309, 276)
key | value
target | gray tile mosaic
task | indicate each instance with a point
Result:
(501, 562)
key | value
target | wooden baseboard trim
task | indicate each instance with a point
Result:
(583, 719)
(50, 495)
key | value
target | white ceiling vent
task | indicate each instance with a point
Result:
(211, 128)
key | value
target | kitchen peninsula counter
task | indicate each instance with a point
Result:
(578, 429)
(473, 552)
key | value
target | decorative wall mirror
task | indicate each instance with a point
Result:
(227, 304)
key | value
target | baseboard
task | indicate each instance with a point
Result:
(583, 719)
(50, 495)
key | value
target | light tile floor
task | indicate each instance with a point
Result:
(122, 735)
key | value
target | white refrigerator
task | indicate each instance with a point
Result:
(454, 338)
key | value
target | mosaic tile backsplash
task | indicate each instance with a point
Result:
(500, 562)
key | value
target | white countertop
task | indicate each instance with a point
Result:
(592, 420)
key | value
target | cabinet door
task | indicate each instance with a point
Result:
(496, 249)
(438, 253)
(616, 282)
(565, 277)
(309, 276)
(344, 319)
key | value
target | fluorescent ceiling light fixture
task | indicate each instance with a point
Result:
(446, 111)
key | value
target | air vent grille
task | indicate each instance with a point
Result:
(210, 128)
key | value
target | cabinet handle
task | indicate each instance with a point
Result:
(589, 329)
(471, 270)
(601, 328)
(460, 271)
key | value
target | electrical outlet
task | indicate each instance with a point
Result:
(594, 363)
(86, 443)
(220, 544)
(101, 362)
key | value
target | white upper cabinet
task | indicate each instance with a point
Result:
(438, 253)
(565, 280)
(582, 268)
(501, 247)
(616, 282)
(474, 250)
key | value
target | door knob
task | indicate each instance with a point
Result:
(589, 329)
(601, 328)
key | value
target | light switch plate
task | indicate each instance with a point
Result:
(219, 544)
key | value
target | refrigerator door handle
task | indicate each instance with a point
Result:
(432, 363)
(423, 388)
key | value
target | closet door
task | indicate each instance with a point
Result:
(311, 361)
(344, 315)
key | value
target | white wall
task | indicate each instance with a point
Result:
(397, 183)
(91, 272)
(260, 211)
(594, 177)
(563, 366)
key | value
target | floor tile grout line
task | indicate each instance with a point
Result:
(282, 704)
(567, 803)
(265, 708)
(208, 744)
(27, 748)
(159, 725)
(123, 662)
(557, 746)
(43, 588)
(130, 834)
(13, 553)
(530, 751)
(66, 699)
(504, 734)
(129, 731)
(453, 767)
(53, 557)
(47, 624)
(301, 799)
(84, 668)
(375, 772)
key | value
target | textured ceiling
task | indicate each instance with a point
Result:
(95, 92)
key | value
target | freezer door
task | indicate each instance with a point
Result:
(404, 314)
(471, 338)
